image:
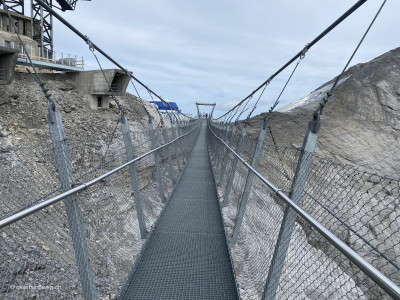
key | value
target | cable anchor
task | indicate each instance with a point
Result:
(303, 52)
(89, 42)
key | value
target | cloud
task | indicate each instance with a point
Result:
(216, 51)
(227, 105)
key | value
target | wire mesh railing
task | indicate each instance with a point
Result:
(38, 251)
(359, 208)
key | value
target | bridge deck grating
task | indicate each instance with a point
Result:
(187, 257)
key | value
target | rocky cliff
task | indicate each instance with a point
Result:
(360, 127)
(360, 123)
(38, 250)
(352, 189)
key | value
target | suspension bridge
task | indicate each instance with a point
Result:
(194, 208)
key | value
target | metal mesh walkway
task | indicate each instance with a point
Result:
(186, 257)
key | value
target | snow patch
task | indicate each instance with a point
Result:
(314, 96)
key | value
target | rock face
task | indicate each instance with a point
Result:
(353, 189)
(360, 128)
(24, 109)
(360, 123)
(38, 251)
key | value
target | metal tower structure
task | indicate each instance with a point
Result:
(42, 28)
(16, 6)
(42, 23)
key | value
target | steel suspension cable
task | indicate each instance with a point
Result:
(255, 104)
(233, 115)
(305, 49)
(140, 99)
(159, 114)
(107, 81)
(329, 94)
(87, 40)
(243, 109)
(287, 82)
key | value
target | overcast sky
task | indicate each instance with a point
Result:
(219, 51)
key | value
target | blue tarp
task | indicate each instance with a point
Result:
(162, 106)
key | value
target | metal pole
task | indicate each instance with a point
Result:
(234, 165)
(171, 169)
(225, 159)
(87, 40)
(185, 144)
(198, 110)
(71, 204)
(249, 182)
(217, 153)
(174, 132)
(289, 217)
(157, 163)
(32, 20)
(41, 32)
(134, 177)
(181, 142)
(220, 157)
(212, 110)
(385, 283)
(46, 203)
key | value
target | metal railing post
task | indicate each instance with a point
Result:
(220, 148)
(175, 132)
(185, 143)
(234, 165)
(217, 153)
(72, 208)
(181, 143)
(166, 139)
(157, 163)
(249, 182)
(134, 177)
(225, 159)
(214, 148)
(220, 157)
(289, 217)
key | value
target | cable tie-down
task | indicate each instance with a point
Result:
(304, 51)
(89, 42)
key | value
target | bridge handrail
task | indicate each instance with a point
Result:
(385, 283)
(31, 210)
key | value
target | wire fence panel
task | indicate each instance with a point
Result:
(27, 177)
(112, 230)
(253, 251)
(235, 196)
(314, 269)
(360, 208)
(38, 258)
(151, 201)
